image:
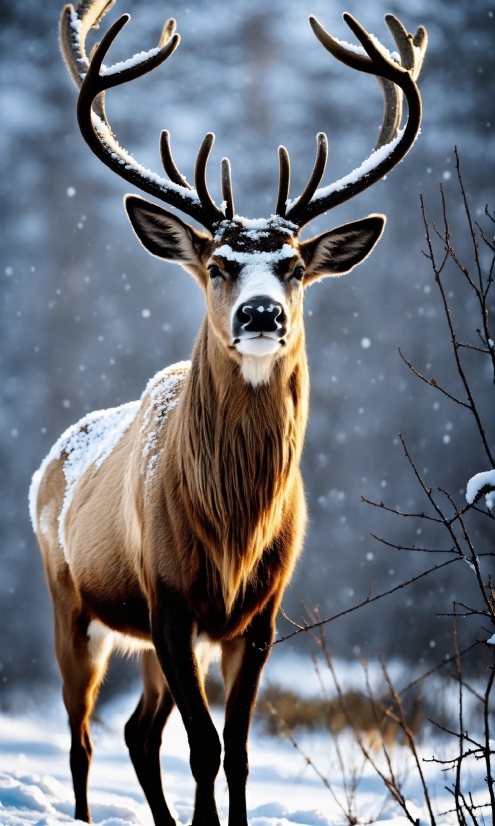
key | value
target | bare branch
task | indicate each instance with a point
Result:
(367, 601)
(432, 382)
(384, 507)
(413, 547)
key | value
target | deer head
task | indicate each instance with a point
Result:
(253, 272)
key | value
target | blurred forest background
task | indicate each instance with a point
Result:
(87, 316)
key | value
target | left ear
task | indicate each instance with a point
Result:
(339, 250)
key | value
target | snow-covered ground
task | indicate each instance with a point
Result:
(35, 784)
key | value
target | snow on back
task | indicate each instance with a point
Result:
(477, 483)
(162, 392)
(91, 440)
(88, 442)
(181, 367)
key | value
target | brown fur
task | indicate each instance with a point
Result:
(191, 527)
(227, 487)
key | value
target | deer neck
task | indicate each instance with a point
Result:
(240, 453)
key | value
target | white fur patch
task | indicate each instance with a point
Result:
(206, 652)
(257, 370)
(102, 641)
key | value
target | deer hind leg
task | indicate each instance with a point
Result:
(242, 663)
(82, 660)
(143, 735)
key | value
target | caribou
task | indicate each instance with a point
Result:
(171, 525)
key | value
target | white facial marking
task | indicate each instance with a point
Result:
(258, 351)
(257, 279)
(256, 275)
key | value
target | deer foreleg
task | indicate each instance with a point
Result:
(242, 662)
(172, 631)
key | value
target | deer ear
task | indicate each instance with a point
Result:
(339, 250)
(165, 235)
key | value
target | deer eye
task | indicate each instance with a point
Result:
(215, 272)
(298, 272)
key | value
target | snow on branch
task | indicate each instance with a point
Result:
(477, 483)
(140, 57)
(368, 165)
(123, 157)
(351, 47)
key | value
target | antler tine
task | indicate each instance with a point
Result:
(420, 41)
(121, 73)
(351, 58)
(411, 49)
(392, 96)
(74, 27)
(379, 57)
(227, 193)
(373, 58)
(411, 58)
(94, 80)
(317, 173)
(392, 112)
(214, 213)
(403, 41)
(168, 32)
(283, 181)
(168, 161)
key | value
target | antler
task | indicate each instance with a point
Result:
(392, 144)
(93, 79)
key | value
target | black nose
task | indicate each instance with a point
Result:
(259, 315)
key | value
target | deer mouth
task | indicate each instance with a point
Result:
(259, 344)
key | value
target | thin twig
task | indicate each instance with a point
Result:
(432, 382)
(367, 601)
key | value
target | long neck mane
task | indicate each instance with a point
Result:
(239, 453)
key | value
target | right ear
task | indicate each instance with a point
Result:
(166, 236)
